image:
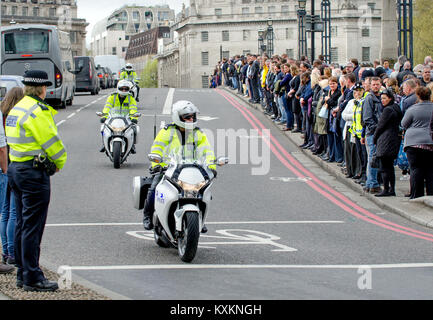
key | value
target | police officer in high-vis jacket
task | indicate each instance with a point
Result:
(130, 75)
(36, 153)
(182, 131)
(122, 99)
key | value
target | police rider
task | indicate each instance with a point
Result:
(130, 75)
(122, 99)
(32, 136)
(182, 131)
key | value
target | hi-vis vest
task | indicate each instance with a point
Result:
(31, 130)
(130, 76)
(168, 140)
(356, 128)
(113, 101)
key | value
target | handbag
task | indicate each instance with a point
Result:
(402, 161)
(324, 112)
(375, 162)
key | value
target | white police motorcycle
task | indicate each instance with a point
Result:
(182, 200)
(118, 135)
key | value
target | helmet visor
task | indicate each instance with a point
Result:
(124, 89)
(189, 116)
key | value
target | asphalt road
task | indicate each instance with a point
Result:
(279, 227)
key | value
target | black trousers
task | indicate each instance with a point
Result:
(352, 157)
(149, 204)
(32, 190)
(388, 173)
(363, 156)
(421, 172)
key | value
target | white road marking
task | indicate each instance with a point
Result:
(288, 179)
(168, 102)
(119, 224)
(82, 108)
(71, 115)
(60, 122)
(252, 266)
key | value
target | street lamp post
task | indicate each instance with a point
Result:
(261, 42)
(270, 38)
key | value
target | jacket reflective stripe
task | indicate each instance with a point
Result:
(160, 143)
(21, 140)
(154, 149)
(25, 118)
(58, 155)
(50, 142)
(26, 154)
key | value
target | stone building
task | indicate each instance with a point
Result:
(61, 13)
(209, 30)
(143, 46)
(112, 35)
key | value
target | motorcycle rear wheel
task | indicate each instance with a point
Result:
(117, 154)
(188, 243)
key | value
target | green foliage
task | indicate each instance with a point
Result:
(422, 30)
(149, 76)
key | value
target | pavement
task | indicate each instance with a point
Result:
(419, 210)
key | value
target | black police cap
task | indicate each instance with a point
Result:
(36, 78)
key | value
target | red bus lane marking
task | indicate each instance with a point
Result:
(379, 221)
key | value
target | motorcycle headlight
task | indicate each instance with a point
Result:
(117, 129)
(191, 190)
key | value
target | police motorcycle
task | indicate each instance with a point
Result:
(134, 90)
(182, 200)
(119, 134)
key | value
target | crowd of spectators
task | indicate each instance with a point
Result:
(367, 117)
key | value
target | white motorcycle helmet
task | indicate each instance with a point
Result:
(121, 88)
(180, 110)
(128, 67)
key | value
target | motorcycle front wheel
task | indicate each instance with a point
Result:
(188, 243)
(117, 154)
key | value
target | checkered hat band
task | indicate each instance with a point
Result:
(35, 80)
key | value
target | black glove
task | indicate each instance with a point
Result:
(134, 121)
(103, 120)
(155, 169)
(214, 172)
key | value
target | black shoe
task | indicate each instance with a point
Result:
(102, 149)
(385, 193)
(138, 99)
(204, 229)
(42, 286)
(147, 223)
(133, 151)
(11, 261)
(5, 269)
(20, 283)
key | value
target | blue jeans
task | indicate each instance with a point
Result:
(289, 113)
(234, 82)
(371, 172)
(335, 148)
(282, 110)
(8, 218)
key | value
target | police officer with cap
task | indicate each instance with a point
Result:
(36, 153)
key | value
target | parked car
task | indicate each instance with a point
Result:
(8, 82)
(113, 62)
(87, 80)
(103, 81)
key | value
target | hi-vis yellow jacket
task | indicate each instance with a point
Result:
(31, 130)
(168, 140)
(130, 76)
(129, 103)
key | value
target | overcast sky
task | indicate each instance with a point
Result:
(96, 10)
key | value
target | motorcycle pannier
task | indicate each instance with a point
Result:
(141, 187)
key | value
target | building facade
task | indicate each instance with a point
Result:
(112, 35)
(210, 30)
(61, 13)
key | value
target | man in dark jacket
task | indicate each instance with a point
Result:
(410, 98)
(255, 75)
(372, 110)
(407, 70)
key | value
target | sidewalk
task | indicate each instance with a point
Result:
(419, 210)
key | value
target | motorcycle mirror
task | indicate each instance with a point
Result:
(221, 161)
(138, 115)
(99, 114)
(154, 157)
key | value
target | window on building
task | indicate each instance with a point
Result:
(285, 9)
(246, 1)
(365, 32)
(218, 12)
(204, 36)
(246, 35)
(290, 53)
(226, 35)
(52, 12)
(259, 1)
(371, 5)
(4, 10)
(126, 37)
(136, 15)
(366, 54)
(226, 54)
(205, 81)
(14, 10)
(36, 11)
(289, 33)
(334, 54)
(271, 9)
(73, 36)
(124, 49)
(258, 9)
(114, 51)
(246, 11)
(205, 58)
(334, 31)
(25, 11)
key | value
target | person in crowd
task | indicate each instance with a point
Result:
(244, 77)
(386, 67)
(312, 114)
(393, 85)
(320, 126)
(387, 141)
(335, 151)
(33, 119)
(410, 98)
(418, 144)
(295, 84)
(281, 114)
(426, 76)
(430, 86)
(254, 79)
(306, 94)
(284, 84)
(8, 210)
(407, 70)
(372, 110)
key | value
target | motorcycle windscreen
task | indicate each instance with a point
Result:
(191, 175)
